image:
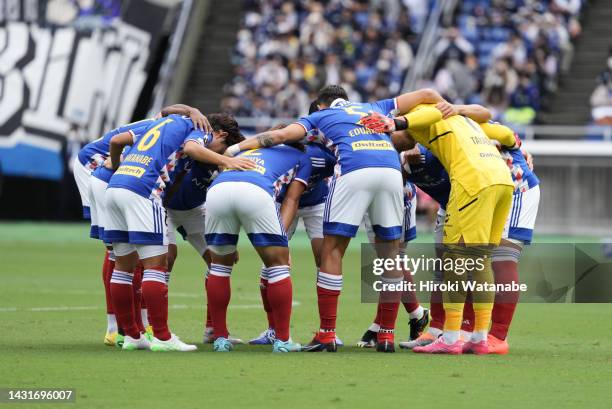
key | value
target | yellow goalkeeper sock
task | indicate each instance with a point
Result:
(452, 322)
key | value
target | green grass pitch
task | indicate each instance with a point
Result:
(52, 323)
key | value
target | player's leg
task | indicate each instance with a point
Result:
(260, 219)
(346, 204)
(497, 198)
(517, 232)
(121, 283)
(467, 229)
(386, 212)
(222, 228)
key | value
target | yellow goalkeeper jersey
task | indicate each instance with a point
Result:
(469, 156)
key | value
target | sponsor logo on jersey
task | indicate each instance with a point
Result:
(128, 170)
(372, 145)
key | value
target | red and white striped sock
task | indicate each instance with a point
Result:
(155, 292)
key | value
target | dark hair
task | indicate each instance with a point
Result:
(227, 123)
(329, 93)
(314, 107)
(297, 145)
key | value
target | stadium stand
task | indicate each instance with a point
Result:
(507, 54)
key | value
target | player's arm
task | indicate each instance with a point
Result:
(476, 112)
(199, 120)
(291, 202)
(409, 100)
(117, 143)
(502, 134)
(291, 133)
(201, 154)
(417, 120)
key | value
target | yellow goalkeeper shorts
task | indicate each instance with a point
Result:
(478, 219)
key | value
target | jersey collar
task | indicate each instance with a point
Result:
(338, 101)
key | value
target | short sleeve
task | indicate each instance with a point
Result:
(199, 136)
(304, 169)
(386, 105)
(308, 123)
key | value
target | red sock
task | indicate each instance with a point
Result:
(280, 296)
(263, 289)
(219, 292)
(468, 316)
(122, 296)
(155, 292)
(388, 316)
(328, 307)
(107, 274)
(436, 310)
(505, 304)
(328, 291)
(209, 323)
(137, 288)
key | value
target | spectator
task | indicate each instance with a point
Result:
(524, 102)
(601, 98)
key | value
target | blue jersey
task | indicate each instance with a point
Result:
(192, 190)
(355, 146)
(322, 163)
(275, 167)
(95, 152)
(430, 176)
(149, 164)
(523, 177)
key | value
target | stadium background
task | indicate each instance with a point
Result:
(69, 70)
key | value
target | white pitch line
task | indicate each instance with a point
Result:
(91, 308)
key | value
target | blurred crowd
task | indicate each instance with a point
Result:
(287, 50)
(506, 54)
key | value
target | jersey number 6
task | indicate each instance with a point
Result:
(149, 139)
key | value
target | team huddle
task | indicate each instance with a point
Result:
(342, 165)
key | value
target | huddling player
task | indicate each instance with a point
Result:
(88, 162)
(248, 199)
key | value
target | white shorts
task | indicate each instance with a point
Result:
(130, 218)
(376, 191)
(97, 200)
(409, 225)
(186, 223)
(521, 220)
(82, 176)
(312, 217)
(230, 205)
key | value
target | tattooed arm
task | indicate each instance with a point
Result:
(291, 133)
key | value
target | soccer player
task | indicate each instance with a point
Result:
(247, 199)
(479, 203)
(518, 232)
(304, 198)
(185, 200)
(368, 179)
(89, 160)
(135, 221)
